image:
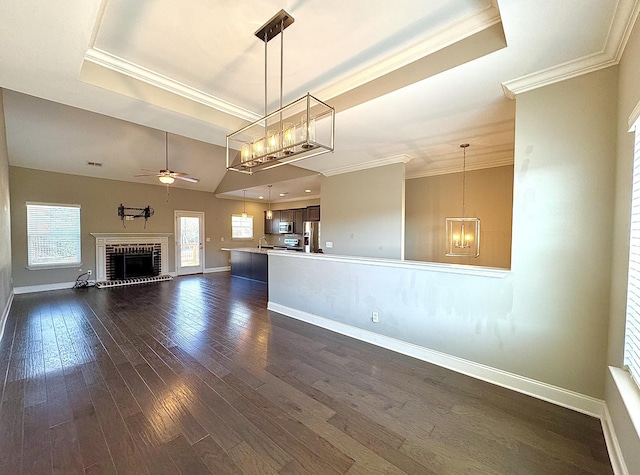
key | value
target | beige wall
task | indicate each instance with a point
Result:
(5, 220)
(628, 98)
(562, 207)
(362, 212)
(100, 198)
(547, 318)
(489, 196)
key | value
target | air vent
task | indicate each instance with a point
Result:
(94, 164)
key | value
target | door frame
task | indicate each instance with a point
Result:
(192, 214)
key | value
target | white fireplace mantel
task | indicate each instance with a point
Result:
(104, 239)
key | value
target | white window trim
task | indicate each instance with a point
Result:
(49, 266)
(252, 228)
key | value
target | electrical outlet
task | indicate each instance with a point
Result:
(221, 239)
(375, 318)
(89, 272)
(329, 244)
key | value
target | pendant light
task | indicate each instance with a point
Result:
(244, 203)
(269, 212)
(463, 233)
(303, 128)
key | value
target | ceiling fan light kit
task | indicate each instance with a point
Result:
(302, 129)
(167, 176)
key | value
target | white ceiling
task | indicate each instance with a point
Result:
(100, 80)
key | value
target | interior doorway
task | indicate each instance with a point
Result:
(189, 232)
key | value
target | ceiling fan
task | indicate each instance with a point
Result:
(168, 176)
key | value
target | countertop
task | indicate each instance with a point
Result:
(264, 249)
(247, 249)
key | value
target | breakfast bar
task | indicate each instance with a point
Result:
(249, 263)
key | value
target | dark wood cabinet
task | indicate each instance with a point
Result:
(267, 224)
(275, 222)
(250, 265)
(286, 215)
(298, 219)
(272, 226)
(312, 213)
(295, 216)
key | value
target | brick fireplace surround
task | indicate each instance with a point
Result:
(107, 243)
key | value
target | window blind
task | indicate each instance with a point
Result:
(632, 332)
(241, 228)
(53, 234)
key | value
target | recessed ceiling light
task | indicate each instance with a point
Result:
(307, 191)
(283, 194)
(260, 197)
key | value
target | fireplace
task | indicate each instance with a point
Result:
(129, 263)
(123, 258)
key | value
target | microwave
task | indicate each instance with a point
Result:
(285, 227)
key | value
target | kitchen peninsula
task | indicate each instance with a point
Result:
(249, 263)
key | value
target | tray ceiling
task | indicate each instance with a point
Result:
(412, 78)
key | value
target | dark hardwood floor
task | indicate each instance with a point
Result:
(196, 376)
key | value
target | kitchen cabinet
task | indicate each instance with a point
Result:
(298, 219)
(286, 215)
(295, 216)
(275, 222)
(271, 226)
(312, 213)
(268, 226)
(250, 265)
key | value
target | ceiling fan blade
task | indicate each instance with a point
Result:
(187, 178)
(147, 170)
(148, 174)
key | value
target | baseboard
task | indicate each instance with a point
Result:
(217, 269)
(5, 314)
(547, 392)
(43, 287)
(613, 446)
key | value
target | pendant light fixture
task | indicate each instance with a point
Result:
(463, 234)
(303, 128)
(269, 212)
(244, 203)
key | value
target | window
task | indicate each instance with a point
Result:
(632, 332)
(53, 235)
(241, 228)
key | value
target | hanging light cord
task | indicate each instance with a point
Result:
(281, 66)
(464, 173)
(265, 87)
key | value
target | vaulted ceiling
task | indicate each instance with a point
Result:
(101, 80)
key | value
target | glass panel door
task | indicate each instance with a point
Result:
(189, 248)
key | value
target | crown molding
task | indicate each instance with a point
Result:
(500, 162)
(132, 70)
(447, 36)
(621, 26)
(366, 165)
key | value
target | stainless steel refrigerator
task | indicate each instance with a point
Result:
(311, 236)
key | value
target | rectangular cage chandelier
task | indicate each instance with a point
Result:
(301, 129)
(463, 233)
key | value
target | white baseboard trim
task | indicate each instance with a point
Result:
(613, 446)
(5, 314)
(217, 269)
(547, 392)
(43, 287)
